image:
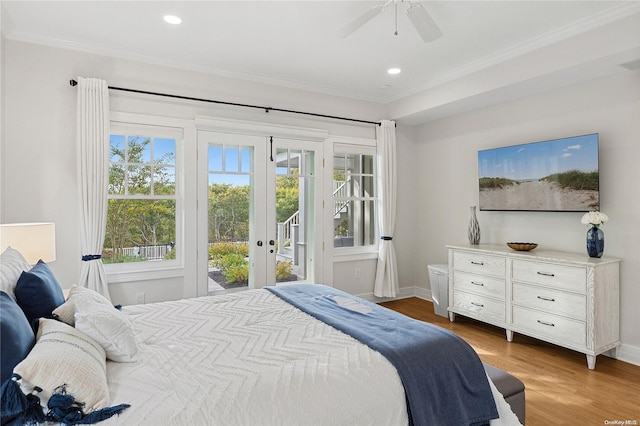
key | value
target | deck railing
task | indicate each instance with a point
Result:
(150, 252)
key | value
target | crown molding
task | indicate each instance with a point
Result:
(621, 11)
(235, 74)
(549, 38)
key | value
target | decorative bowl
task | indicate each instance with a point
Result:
(522, 246)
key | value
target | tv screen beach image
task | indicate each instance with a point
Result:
(555, 175)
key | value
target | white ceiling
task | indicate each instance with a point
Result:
(296, 43)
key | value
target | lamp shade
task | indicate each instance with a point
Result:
(34, 240)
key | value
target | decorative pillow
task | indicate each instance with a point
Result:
(16, 335)
(12, 264)
(110, 328)
(63, 355)
(38, 292)
(78, 296)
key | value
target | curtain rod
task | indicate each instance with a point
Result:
(266, 109)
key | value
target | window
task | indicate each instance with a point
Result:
(354, 199)
(143, 197)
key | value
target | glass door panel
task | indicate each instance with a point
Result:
(296, 209)
(259, 224)
(233, 190)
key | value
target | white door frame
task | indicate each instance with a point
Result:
(280, 133)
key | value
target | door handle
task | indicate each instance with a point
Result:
(259, 243)
(272, 243)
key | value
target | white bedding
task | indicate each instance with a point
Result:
(250, 358)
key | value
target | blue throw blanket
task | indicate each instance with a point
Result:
(444, 380)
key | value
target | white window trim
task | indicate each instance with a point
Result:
(141, 274)
(175, 268)
(351, 145)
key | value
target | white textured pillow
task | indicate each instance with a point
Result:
(12, 264)
(78, 296)
(63, 355)
(110, 328)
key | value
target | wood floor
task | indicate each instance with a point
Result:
(560, 389)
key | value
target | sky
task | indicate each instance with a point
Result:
(236, 159)
(539, 159)
(161, 147)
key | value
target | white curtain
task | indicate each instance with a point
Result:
(93, 175)
(386, 284)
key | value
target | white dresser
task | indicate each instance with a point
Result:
(568, 299)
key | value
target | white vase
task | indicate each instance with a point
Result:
(474, 227)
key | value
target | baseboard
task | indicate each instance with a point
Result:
(626, 353)
(403, 293)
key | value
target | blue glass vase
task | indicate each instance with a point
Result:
(595, 242)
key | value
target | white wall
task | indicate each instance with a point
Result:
(39, 157)
(437, 168)
(1, 121)
(447, 179)
(346, 273)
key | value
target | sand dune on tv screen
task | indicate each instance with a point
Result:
(538, 195)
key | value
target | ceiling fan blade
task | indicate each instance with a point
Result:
(423, 23)
(354, 25)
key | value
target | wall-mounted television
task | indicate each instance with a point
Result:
(554, 175)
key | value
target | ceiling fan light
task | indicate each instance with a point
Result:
(423, 23)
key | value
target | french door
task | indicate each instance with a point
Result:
(259, 209)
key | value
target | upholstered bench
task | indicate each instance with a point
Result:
(510, 387)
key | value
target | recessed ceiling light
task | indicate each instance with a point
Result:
(394, 71)
(172, 19)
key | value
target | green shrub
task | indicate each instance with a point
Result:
(219, 250)
(171, 254)
(234, 267)
(237, 273)
(283, 269)
(493, 183)
(124, 259)
(228, 260)
(575, 179)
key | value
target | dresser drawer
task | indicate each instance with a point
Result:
(479, 305)
(484, 286)
(559, 276)
(550, 300)
(548, 326)
(479, 264)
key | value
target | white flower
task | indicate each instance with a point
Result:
(594, 218)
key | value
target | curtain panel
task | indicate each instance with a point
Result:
(93, 176)
(386, 283)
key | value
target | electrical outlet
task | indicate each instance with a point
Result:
(357, 273)
(140, 298)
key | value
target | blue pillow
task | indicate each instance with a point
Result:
(16, 335)
(38, 292)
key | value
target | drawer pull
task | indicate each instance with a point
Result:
(548, 299)
(550, 324)
(480, 305)
(477, 283)
(546, 274)
(477, 263)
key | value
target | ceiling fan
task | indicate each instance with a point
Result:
(416, 13)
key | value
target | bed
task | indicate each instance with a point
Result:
(250, 358)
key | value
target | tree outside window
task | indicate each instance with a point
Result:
(141, 213)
